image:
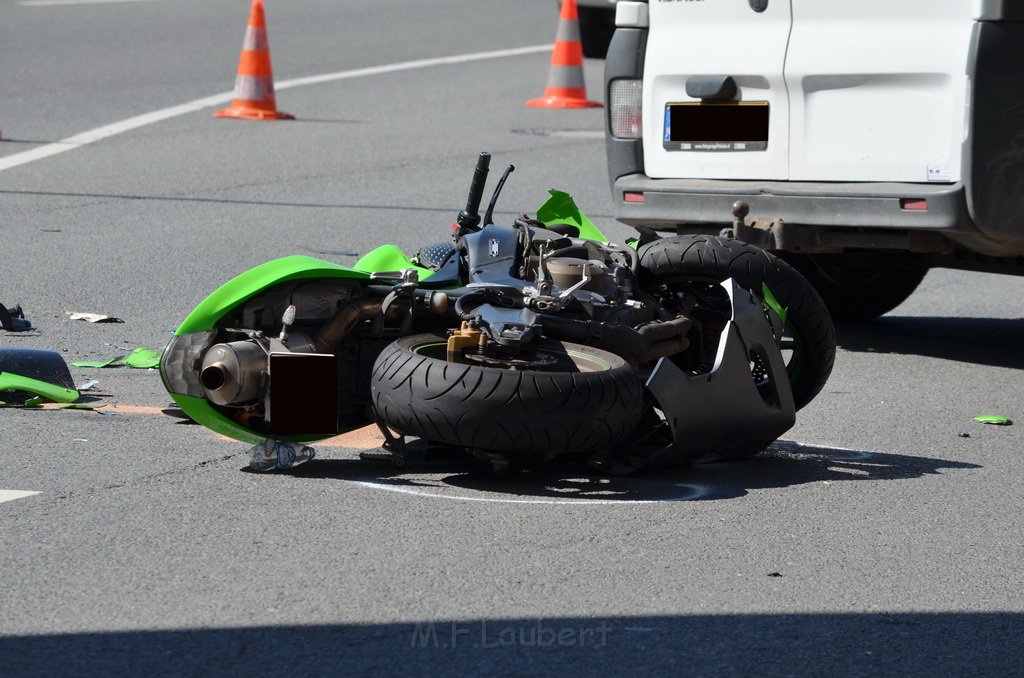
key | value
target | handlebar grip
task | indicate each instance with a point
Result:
(476, 189)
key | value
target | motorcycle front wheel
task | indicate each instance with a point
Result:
(809, 336)
(582, 400)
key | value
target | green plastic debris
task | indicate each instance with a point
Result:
(993, 419)
(54, 392)
(143, 359)
(560, 208)
(140, 358)
(98, 363)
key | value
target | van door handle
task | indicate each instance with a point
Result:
(711, 87)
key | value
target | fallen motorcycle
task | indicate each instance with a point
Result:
(514, 343)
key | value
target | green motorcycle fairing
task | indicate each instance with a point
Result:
(390, 258)
(560, 208)
(229, 296)
(243, 287)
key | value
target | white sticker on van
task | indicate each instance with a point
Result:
(938, 173)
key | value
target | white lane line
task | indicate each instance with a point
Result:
(99, 133)
(106, 131)
(56, 3)
(11, 495)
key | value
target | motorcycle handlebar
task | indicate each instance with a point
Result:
(476, 189)
(469, 218)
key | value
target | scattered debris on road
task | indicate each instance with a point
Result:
(93, 317)
(140, 358)
(993, 419)
(29, 374)
(13, 319)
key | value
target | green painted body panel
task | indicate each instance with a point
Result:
(560, 208)
(388, 258)
(241, 288)
(200, 411)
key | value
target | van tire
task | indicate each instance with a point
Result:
(859, 293)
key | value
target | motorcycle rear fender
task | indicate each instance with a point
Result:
(197, 332)
(240, 289)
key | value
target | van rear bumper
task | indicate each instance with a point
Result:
(669, 202)
(813, 217)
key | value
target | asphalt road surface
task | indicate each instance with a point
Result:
(883, 536)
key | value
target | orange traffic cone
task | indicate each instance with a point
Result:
(254, 84)
(566, 88)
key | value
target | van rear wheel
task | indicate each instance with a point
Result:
(856, 291)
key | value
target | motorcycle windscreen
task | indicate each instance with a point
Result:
(303, 393)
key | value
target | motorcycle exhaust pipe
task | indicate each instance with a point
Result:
(336, 329)
(231, 373)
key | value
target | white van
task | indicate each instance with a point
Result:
(871, 139)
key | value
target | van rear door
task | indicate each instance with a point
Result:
(710, 139)
(878, 89)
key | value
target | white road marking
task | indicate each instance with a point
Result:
(11, 495)
(681, 491)
(687, 493)
(106, 131)
(55, 3)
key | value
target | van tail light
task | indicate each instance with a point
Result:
(624, 108)
(633, 196)
(914, 204)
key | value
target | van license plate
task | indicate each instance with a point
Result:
(719, 126)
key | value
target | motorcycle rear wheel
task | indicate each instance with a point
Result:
(809, 339)
(588, 400)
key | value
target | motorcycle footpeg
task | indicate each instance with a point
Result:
(394, 450)
(381, 454)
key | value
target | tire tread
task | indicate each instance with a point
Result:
(523, 413)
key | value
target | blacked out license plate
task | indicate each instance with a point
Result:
(719, 126)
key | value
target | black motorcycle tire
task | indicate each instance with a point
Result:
(528, 415)
(809, 326)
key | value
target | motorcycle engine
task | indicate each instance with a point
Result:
(599, 277)
(566, 272)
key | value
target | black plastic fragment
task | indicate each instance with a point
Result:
(13, 319)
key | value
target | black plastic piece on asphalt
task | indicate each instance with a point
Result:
(13, 319)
